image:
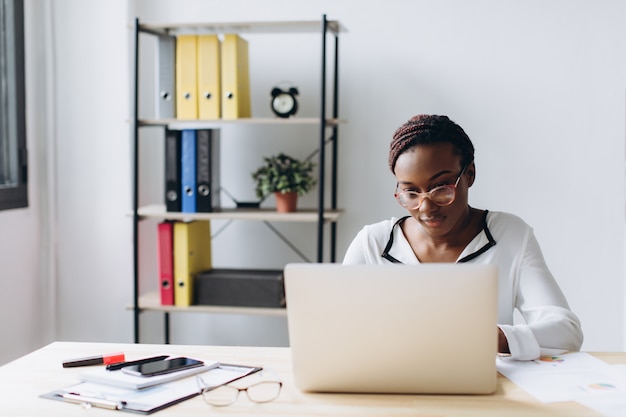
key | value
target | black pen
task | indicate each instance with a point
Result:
(120, 365)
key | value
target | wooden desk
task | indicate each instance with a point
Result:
(23, 380)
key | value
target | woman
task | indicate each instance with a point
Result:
(433, 161)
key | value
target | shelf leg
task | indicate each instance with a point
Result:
(136, 310)
(322, 154)
(335, 147)
(166, 327)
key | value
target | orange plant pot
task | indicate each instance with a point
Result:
(287, 202)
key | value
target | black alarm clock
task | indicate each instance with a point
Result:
(284, 103)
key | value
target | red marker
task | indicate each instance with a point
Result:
(94, 360)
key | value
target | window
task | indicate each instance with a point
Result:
(13, 166)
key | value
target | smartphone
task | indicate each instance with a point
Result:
(162, 367)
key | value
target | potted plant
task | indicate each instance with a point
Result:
(286, 177)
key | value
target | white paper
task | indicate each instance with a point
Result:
(561, 377)
(123, 380)
(609, 401)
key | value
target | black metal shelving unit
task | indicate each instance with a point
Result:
(323, 214)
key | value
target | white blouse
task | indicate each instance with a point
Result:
(525, 282)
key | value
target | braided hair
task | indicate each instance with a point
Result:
(427, 129)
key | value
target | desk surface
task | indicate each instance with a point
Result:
(23, 380)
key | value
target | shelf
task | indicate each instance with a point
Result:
(212, 124)
(326, 122)
(157, 211)
(152, 302)
(305, 26)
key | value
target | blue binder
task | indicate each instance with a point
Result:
(188, 171)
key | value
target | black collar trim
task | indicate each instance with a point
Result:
(491, 242)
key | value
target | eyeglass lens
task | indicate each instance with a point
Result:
(221, 396)
(441, 196)
(261, 392)
(264, 391)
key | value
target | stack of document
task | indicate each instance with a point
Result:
(123, 380)
(120, 391)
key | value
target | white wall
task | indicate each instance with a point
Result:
(27, 301)
(67, 258)
(93, 169)
(541, 95)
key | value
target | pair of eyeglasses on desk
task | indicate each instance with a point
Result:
(265, 389)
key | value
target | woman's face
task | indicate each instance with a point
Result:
(425, 167)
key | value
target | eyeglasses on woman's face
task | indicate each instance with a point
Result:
(443, 195)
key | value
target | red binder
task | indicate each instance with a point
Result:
(166, 262)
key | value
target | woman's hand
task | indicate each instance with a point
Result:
(503, 344)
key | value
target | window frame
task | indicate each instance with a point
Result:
(16, 196)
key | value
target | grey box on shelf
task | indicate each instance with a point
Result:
(240, 288)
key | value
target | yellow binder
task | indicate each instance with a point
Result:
(235, 78)
(186, 77)
(209, 80)
(192, 254)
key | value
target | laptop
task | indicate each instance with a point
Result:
(421, 329)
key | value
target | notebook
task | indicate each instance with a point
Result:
(123, 380)
(422, 329)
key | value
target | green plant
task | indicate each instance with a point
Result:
(284, 174)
